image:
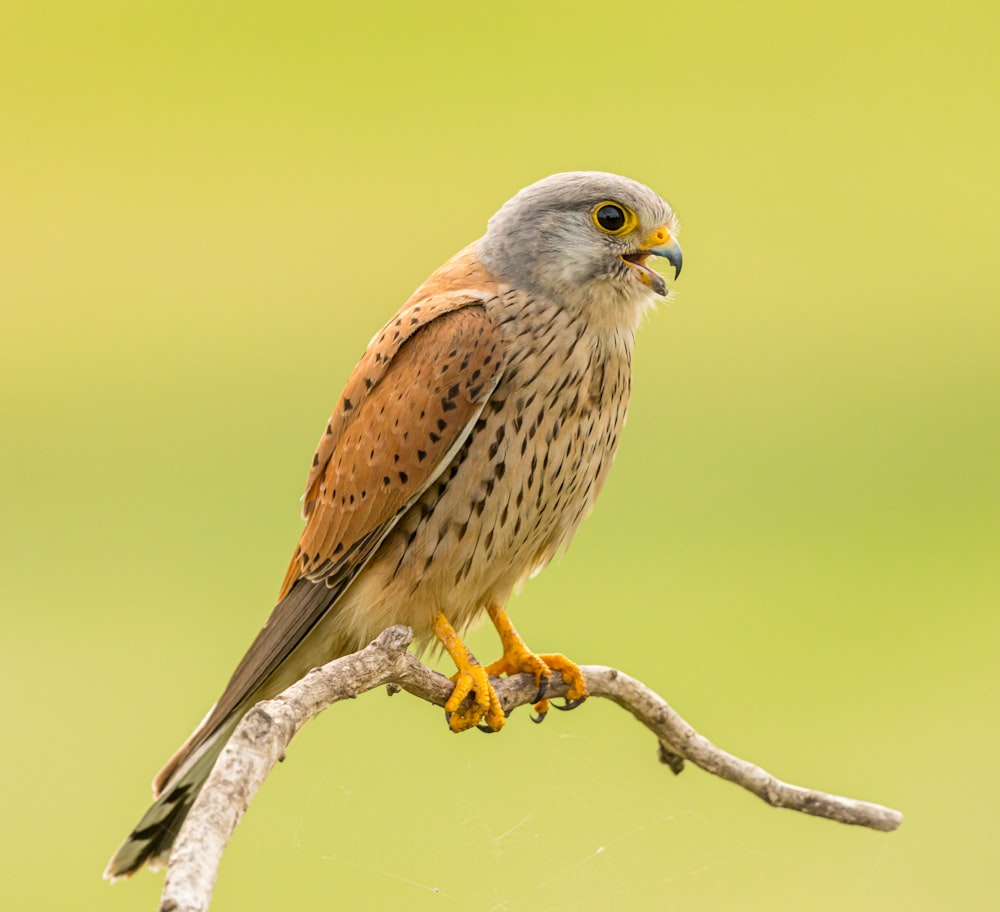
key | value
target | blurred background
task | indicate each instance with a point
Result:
(205, 213)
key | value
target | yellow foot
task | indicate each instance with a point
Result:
(518, 659)
(471, 679)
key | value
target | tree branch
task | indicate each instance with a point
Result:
(260, 740)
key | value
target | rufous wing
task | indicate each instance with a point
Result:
(398, 438)
(407, 409)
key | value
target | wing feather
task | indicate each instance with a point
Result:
(425, 393)
(399, 439)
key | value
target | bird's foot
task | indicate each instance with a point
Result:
(518, 659)
(572, 675)
(483, 710)
(473, 703)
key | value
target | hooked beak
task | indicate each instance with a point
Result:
(660, 243)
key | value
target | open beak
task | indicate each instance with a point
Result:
(660, 243)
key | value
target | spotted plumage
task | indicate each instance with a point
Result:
(469, 443)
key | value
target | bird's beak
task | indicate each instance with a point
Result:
(663, 245)
(659, 243)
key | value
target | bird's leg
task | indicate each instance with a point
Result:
(471, 678)
(518, 659)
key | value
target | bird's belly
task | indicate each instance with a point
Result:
(517, 491)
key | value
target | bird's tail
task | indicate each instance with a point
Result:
(153, 836)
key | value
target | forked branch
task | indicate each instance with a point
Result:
(261, 738)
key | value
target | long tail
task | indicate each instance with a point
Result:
(154, 835)
(283, 652)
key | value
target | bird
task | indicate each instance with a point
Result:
(469, 443)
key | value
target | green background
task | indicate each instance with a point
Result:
(205, 213)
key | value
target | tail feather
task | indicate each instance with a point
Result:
(283, 652)
(153, 837)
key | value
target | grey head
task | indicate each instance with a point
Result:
(583, 238)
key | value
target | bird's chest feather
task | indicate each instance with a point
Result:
(530, 469)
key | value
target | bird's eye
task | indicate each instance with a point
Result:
(613, 218)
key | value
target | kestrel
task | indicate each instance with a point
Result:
(469, 443)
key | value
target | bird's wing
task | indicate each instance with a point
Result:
(420, 400)
(446, 291)
(407, 409)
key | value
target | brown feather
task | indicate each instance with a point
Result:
(390, 447)
(459, 282)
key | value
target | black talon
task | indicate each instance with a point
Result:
(539, 718)
(543, 689)
(487, 729)
(569, 704)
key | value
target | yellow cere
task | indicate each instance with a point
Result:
(657, 238)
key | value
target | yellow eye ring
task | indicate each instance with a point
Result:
(614, 218)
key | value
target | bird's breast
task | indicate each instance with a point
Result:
(526, 476)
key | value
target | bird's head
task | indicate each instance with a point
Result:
(583, 237)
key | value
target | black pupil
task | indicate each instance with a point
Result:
(610, 218)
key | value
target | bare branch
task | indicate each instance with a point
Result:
(265, 732)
